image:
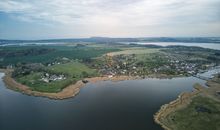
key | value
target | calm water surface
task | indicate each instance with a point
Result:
(215, 46)
(124, 105)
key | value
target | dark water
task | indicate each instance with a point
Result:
(125, 105)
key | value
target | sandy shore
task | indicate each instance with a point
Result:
(184, 100)
(68, 92)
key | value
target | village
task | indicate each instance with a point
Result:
(132, 66)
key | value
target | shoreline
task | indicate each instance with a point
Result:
(68, 92)
(71, 90)
(183, 100)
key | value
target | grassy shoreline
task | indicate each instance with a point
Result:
(67, 92)
(168, 113)
(70, 90)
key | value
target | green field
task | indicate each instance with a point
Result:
(134, 50)
(203, 113)
(73, 71)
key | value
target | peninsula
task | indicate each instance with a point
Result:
(59, 71)
(195, 110)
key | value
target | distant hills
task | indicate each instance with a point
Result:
(116, 40)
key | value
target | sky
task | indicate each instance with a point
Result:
(48, 19)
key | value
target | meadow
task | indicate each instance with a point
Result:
(73, 72)
(202, 113)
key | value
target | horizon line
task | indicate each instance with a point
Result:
(108, 37)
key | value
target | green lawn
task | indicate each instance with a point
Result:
(72, 68)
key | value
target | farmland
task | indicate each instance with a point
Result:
(50, 68)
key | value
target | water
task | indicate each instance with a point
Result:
(215, 46)
(124, 105)
(210, 73)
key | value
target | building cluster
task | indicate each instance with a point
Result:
(46, 77)
(129, 65)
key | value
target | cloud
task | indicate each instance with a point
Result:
(137, 11)
(114, 15)
(14, 6)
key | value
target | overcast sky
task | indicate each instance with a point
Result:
(42, 19)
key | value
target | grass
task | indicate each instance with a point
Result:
(191, 119)
(74, 71)
(33, 81)
(134, 50)
(72, 68)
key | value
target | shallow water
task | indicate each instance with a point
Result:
(124, 105)
(210, 73)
